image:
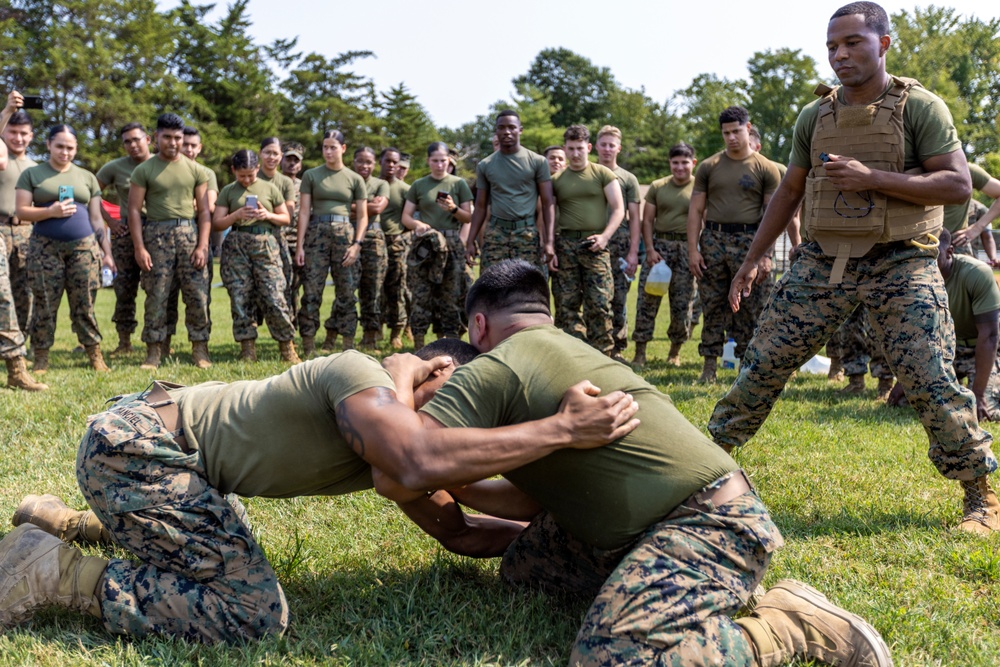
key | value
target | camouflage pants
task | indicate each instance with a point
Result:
(618, 247)
(908, 306)
(11, 338)
(175, 295)
(293, 275)
(442, 303)
(126, 284)
(325, 245)
(723, 254)
(252, 272)
(170, 248)
(965, 367)
(500, 244)
(584, 279)
(199, 573)
(682, 291)
(668, 598)
(854, 343)
(374, 264)
(72, 267)
(17, 238)
(394, 312)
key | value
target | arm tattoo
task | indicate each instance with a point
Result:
(383, 396)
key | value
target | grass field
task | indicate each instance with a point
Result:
(865, 516)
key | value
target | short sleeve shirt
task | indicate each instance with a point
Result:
(972, 291)
(392, 216)
(117, 174)
(43, 182)
(956, 216)
(630, 189)
(234, 196)
(672, 202)
(423, 194)
(8, 183)
(580, 198)
(284, 184)
(169, 186)
(512, 181)
(333, 192)
(735, 189)
(376, 187)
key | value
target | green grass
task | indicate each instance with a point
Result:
(865, 516)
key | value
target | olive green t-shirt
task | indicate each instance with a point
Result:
(376, 187)
(234, 196)
(333, 192)
(169, 186)
(956, 216)
(117, 174)
(43, 182)
(423, 193)
(606, 496)
(213, 180)
(8, 183)
(928, 129)
(284, 184)
(672, 202)
(392, 216)
(976, 210)
(580, 198)
(630, 189)
(512, 182)
(278, 437)
(972, 291)
(736, 188)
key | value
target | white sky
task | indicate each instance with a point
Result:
(446, 52)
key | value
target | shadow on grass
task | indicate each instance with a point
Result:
(872, 521)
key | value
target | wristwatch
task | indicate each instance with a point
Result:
(454, 210)
(355, 242)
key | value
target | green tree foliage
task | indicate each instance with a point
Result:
(702, 102)
(405, 124)
(580, 90)
(780, 83)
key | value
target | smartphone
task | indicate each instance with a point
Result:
(65, 192)
(32, 102)
(442, 195)
(252, 201)
(824, 157)
(586, 243)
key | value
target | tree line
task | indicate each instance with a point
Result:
(102, 63)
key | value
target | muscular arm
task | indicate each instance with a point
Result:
(696, 213)
(991, 190)
(616, 208)
(945, 179)
(478, 218)
(497, 497)
(548, 212)
(987, 332)
(648, 220)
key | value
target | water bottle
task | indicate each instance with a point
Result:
(623, 265)
(729, 359)
(107, 277)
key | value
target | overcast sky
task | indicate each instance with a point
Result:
(460, 57)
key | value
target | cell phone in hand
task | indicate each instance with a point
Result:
(586, 243)
(32, 102)
(252, 201)
(65, 193)
(443, 195)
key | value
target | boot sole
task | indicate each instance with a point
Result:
(862, 627)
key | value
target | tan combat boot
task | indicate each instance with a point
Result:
(855, 385)
(248, 350)
(793, 620)
(308, 347)
(369, 340)
(124, 345)
(980, 508)
(153, 352)
(348, 343)
(639, 359)
(330, 342)
(288, 354)
(51, 514)
(408, 333)
(674, 356)
(19, 378)
(168, 349)
(395, 341)
(97, 359)
(41, 366)
(418, 342)
(199, 354)
(41, 571)
(708, 371)
(836, 372)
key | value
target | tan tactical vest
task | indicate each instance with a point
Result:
(849, 224)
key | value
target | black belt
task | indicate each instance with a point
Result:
(329, 218)
(513, 225)
(255, 229)
(173, 222)
(730, 227)
(720, 492)
(670, 236)
(576, 234)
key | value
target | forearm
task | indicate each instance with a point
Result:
(634, 228)
(33, 213)
(695, 214)
(780, 209)
(497, 497)
(930, 189)
(440, 516)
(614, 222)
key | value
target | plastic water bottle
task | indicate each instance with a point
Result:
(729, 359)
(107, 277)
(623, 265)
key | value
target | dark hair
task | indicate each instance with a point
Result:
(508, 112)
(334, 134)
(169, 121)
(509, 284)
(944, 239)
(244, 159)
(56, 129)
(128, 127)
(436, 146)
(271, 140)
(576, 133)
(387, 150)
(681, 150)
(460, 351)
(875, 17)
(365, 149)
(191, 131)
(734, 115)
(21, 117)
(553, 148)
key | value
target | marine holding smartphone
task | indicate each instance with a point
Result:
(63, 201)
(437, 258)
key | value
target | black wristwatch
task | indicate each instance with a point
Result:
(454, 210)
(355, 242)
